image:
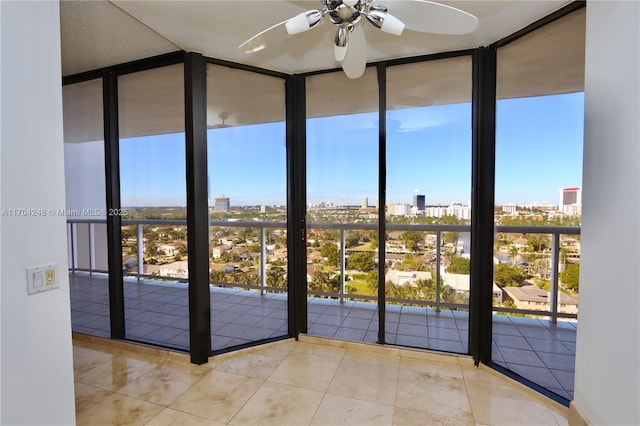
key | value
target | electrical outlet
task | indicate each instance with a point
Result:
(50, 275)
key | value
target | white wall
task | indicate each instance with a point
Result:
(607, 375)
(36, 366)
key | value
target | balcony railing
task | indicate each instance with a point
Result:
(86, 255)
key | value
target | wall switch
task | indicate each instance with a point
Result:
(38, 279)
(42, 278)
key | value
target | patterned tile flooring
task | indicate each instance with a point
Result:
(157, 313)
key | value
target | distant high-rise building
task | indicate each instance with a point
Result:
(509, 208)
(570, 200)
(419, 201)
(365, 203)
(222, 204)
(399, 209)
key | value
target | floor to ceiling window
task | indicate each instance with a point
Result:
(246, 163)
(342, 206)
(85, 208)
(539, 138)
(153, 199)
(426, 185)
(428, 209)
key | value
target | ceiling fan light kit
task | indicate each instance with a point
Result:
(303, 22)
(350, 43)
(379, 17)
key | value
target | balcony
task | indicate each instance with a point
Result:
(540, 347)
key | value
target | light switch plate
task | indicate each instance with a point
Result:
(42, 278)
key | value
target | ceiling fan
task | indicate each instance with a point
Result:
(346, 15)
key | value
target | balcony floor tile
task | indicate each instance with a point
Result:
(157, 313)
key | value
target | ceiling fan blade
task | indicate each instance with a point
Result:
(269, 37)
(355, 60)
(429, 17)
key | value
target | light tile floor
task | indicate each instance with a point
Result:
(312, 381)
(156, 313)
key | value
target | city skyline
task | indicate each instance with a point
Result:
(538, 151)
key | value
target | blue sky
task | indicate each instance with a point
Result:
(539, 150)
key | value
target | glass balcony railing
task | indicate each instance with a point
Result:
(544, 255)
(87, 239)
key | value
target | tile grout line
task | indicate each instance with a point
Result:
(324, 393)
(264, 381)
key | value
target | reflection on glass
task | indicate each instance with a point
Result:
(153, 199)
(85, 208)
(539, 137)
(246, 157)
(428, 208)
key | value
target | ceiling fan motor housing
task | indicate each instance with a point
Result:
(342, 14)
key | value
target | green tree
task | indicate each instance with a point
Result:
(412, 239)
(372, 281)
(352, 239)
(450, 220)
(373, 239)
(330, 251)
(152, 249)
(513, 252)
(570, 276)
(127, 232)
(538, 242)
(459, 265)
(331, 235)
(217, 276)
(509, 276)
(321, 281)
(362, 261)
(276, 277)
(450, 237)
(410, 263)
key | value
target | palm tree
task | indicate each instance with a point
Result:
(513, 252)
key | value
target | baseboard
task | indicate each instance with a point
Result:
(576, 417)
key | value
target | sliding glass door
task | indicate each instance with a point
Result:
(246, 157)
(153, 199)
(342, 214)
(428, 189)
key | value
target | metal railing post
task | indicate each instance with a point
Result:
(92, 259)
(342, 262)
(438, 242)
(555, 271)
(73, 249)
(140, 243)
(263, 259)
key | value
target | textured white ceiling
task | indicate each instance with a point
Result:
(548, 61)
(98, 33)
